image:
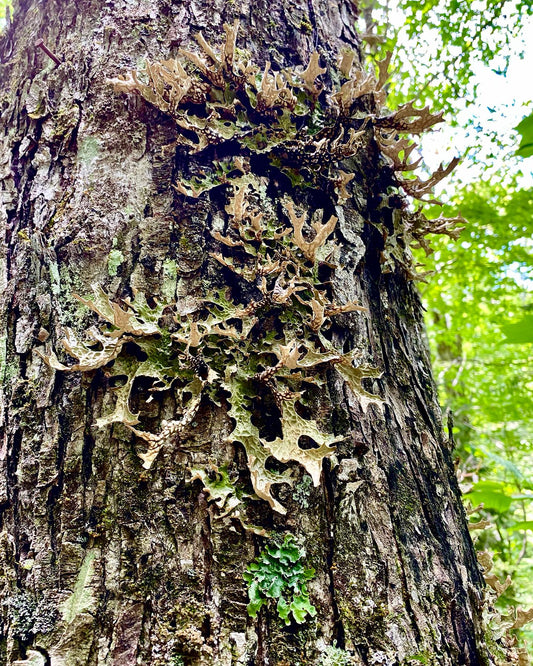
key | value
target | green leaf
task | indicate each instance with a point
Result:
(522, 331)
(507, 465)
(492, 495)
(522, 525)
(525, 128)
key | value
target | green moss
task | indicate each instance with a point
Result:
(423, 657)
(108, 519)
(177, 660)
(359, 626)
(11, 371)
(185, 243)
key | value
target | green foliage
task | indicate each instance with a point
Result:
(494, 495)
(525, 129)
(177, 660)
(480, 331)
(519, 333)
(481, 286)
(521, 525)
(441, 42)
(278, 574)
(5, 6)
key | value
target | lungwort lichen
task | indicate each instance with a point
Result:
(229, 114)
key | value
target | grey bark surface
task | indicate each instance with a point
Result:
(147, 574)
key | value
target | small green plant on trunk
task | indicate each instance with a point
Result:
(278, 573)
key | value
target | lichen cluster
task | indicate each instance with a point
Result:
(223, 102)
(218, 99)
(267, 335)
(219, 347)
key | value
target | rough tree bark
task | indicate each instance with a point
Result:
(104, 562)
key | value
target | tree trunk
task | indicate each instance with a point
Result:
(107, 562)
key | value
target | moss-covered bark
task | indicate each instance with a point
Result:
(106, 563)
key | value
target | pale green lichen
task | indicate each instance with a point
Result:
(170, 279)
(55, 280)
(82, 599)
(3, 357)
(331, 655)
(114, 260)
(29, 615)
(88, 150)
(302, 491)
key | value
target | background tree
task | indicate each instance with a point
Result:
(229, 356)
(470, 58)
(481, 331)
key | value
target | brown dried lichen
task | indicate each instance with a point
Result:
(219, 96)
